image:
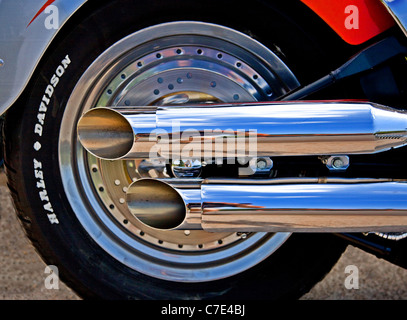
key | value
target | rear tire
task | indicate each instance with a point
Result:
(88, 258)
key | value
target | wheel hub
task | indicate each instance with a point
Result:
(184, 65)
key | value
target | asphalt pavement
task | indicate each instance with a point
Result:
(23, 276)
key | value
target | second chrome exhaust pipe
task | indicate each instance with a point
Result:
(278, 205)
(252, 130)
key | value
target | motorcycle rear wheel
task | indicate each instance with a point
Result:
(70, 203)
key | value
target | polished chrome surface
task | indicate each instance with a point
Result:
(328, 207)
(336, 163)
(162, 205)
(129, 73)
(191, 168)
(281, 205)
(256, 129)
(156, 205)
(117, 133)
(261, 166)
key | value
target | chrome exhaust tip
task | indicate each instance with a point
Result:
(156, 204)
(244, 130)
(105, 133)
(276, 205)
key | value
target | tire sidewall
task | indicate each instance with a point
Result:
(60, 237)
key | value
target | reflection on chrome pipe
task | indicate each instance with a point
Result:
(162, 205)
(260, 129)
(280, 205)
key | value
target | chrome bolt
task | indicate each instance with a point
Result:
(261, 164)
(242, 235)
(336, 163)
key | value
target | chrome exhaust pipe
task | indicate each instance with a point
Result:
(250, 130)
(278, 205)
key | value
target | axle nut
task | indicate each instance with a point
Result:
(337, 163)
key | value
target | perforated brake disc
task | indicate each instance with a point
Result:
(189, 63)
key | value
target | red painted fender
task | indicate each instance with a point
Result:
(355, 21)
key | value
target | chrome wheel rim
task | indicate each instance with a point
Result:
(181, 62)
